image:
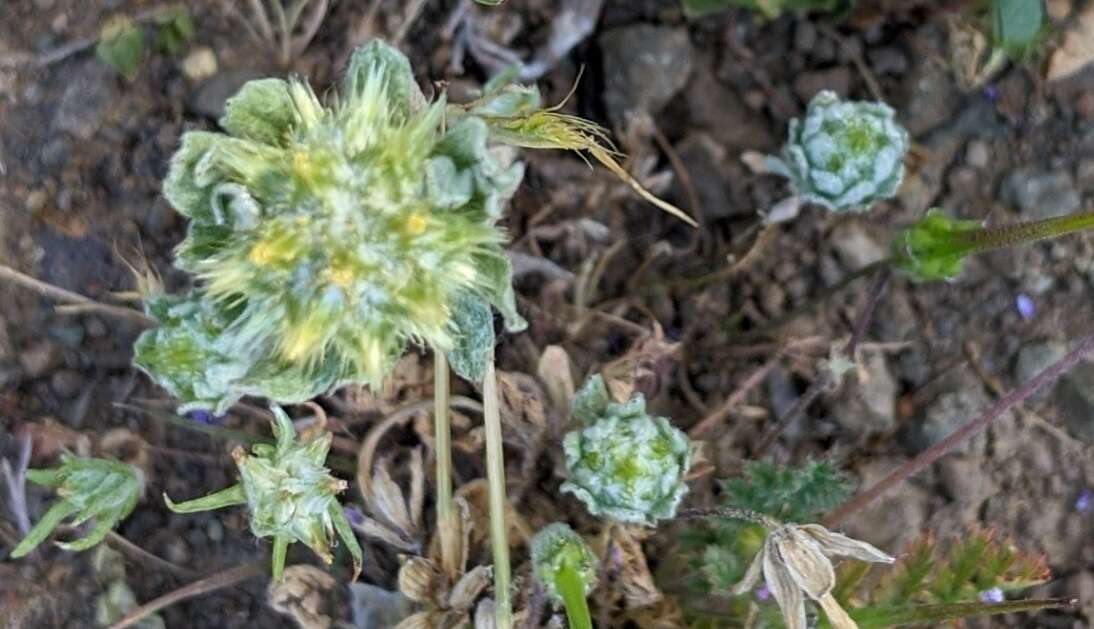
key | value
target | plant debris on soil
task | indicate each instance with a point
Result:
(608, 283)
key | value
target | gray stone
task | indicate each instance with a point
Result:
(66, 383)
(805, 36)
(855, 246)
(1075, 395)
(647, 66)
(374, 607)
(710, 177)
(723, 114)
(871, 405)
(837, 79)
(209, 97)
(38, 359)
(962, 400)
(1034, 358)
(88, 90)
(932, 96)
(1084, 174)
(977, 154)
(1040, 194)
(888, 60)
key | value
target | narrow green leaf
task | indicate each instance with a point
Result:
(224, 498)
(59, 511)
(932, 615)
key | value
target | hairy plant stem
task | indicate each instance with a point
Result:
(989, 238)
(729, 513)
(442, 440)
(495, 478)
(935, 452)
(572, 589)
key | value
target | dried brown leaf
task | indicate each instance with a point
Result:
(1076, 51)
(306, 594)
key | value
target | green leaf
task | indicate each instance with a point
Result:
(224, 498)
(787, 493)
(180, 187)
(121, 46)
(385, 62)
(174, 29)
(1017, 26)
(590, 401)
(499, 290)
(261, 110)
(474, 324)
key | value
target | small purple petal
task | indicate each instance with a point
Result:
(354, 515)
(205, 417)
(1084, 501)
(763, 593)
(1025, 307)
(991, 92)
(994, 595)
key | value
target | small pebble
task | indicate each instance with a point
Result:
(977, 154)
(200, 64)
(38, 359)
(66, 383)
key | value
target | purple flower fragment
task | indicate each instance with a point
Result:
(1025, 306)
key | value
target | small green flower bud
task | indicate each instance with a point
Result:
(627, 465)
(557, 548)
(290, 495)
(843, 155)
(566, 567)
(87, 488)
(934, 247)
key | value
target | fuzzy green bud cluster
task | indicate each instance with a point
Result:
(99, 489)
(290, 494)
(844, 156)
(934, 247)
(327, 236)
(624, 464)
(557, 548)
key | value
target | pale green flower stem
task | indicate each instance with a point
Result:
(989, 238)
(495, 478)
(572, 589)
(442, 440)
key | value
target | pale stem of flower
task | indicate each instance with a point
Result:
(495, 478)
(442, 439)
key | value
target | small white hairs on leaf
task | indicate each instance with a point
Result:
(844, 155)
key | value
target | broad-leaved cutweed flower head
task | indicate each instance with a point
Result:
(325, 236)
(843, 155)
(99, 489)
(625, 465)
(289, 492)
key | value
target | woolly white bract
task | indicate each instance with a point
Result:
(843, 155)
(626, 465)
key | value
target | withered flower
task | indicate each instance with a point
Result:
(795, 559)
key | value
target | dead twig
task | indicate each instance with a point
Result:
(143, 557)
(218, 581)
(59, 294)
(16, 484)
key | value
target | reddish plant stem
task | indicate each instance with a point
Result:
(935, 452)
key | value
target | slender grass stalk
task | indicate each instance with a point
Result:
(442, 440)
(495, 478)
(572, 588)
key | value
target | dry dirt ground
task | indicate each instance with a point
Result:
(82, 152)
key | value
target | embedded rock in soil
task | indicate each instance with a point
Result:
(645, 67)
(723, 114)
(710, 176)
(1040, 194)
(1034, 358)
(962, 400)
(870, 404)
(1076, 401)
(808, 84)
(855, 247)
(932, 97)
(38, 359)
(88, 91)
